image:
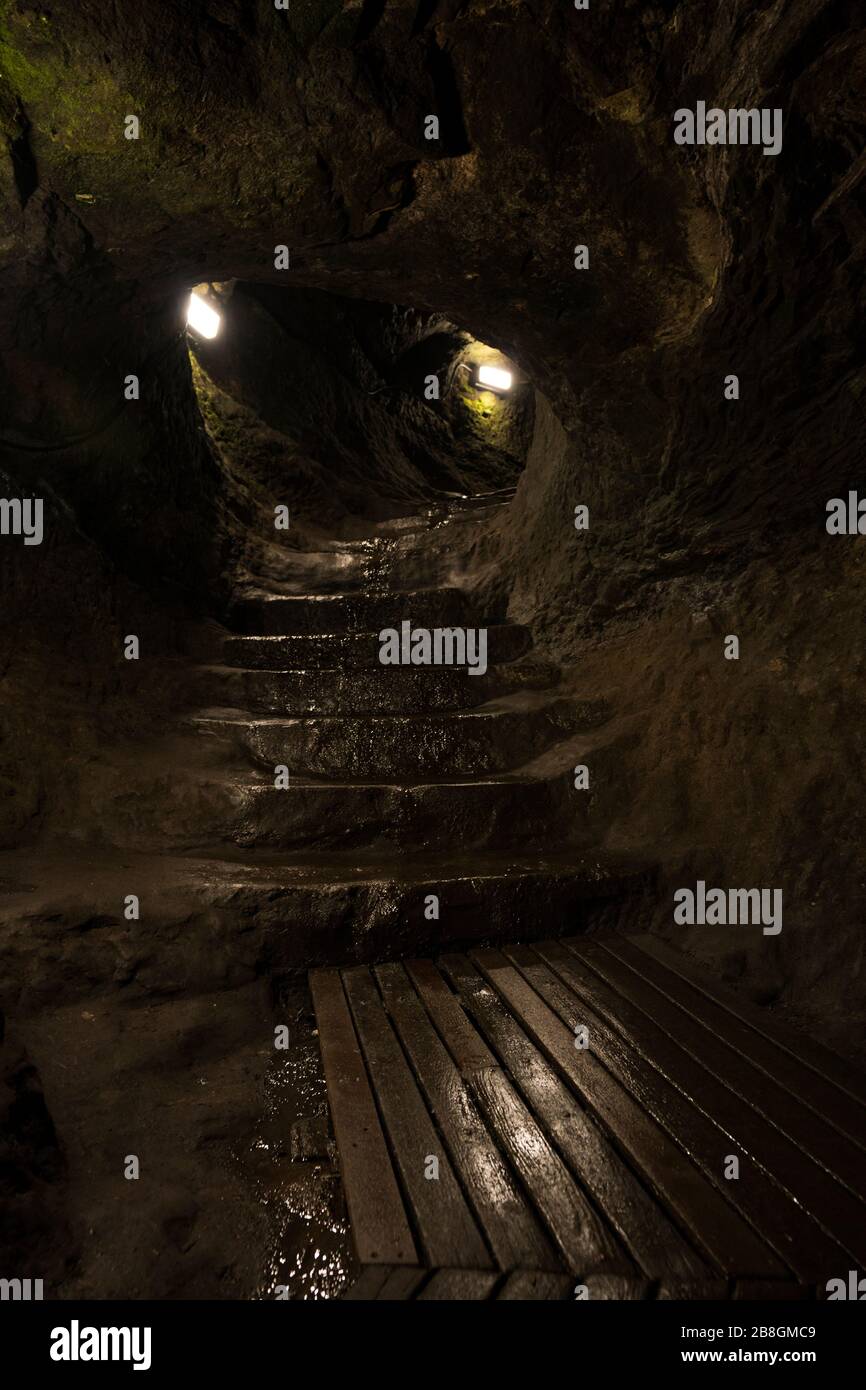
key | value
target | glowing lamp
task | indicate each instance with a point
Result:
(202, 318)
(495, 378)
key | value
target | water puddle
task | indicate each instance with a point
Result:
(290, 1162)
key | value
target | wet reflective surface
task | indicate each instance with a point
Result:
(289, 1161)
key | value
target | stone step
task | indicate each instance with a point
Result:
(503, 813)
(314, 614)
(353, 651)
(213, 921)
(302, 572)
(500, 496)
(537, 805)
(378, 690)
(323, 912)
(475, 743)
(185, 791)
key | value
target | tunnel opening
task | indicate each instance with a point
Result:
(380, 405)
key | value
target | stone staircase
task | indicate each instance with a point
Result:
(434, 805)
(425, 807)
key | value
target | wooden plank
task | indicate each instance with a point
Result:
(659, 1248)
(368, 1284)
(531, 1286)
(401, 1284)
(511, 1226)
(814, 1055)
(732, 1244)
(579, 1234)
(380, 1229)
(701, 1114)
(464, 1043)
(832, 1206)
(465, 1285)
(580, 1237)
(821, 1096)
(712, 1292)
(611, 1288)
(447, 1228)
(703, 1021)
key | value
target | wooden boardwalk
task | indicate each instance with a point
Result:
(485, 1154)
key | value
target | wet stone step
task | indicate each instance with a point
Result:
(312, 614)
(513, 814)
(337, 914)
(221, 914)
(499, 497)
(353, 651)
(381, 689)
(474, 743)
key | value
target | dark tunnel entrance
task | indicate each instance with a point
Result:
(379, 407)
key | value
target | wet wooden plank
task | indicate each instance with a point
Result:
(368, 1284)
(657, 1245)
(833, 1207)
(446, 1226)
(510, 1224)
(578, 1233)
(821, 1096)
(531, 1286)
(712, 1292)
(713, 1029)
(401, 1284)
(380, 1228)
(466, 1285)
(701, 1114)
(488, 1079)
(611, 1288)
(829, 1065)
(583, 1241)
(732, 1244)
(464, 1042)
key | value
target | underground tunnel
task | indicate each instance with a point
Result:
(431, 743)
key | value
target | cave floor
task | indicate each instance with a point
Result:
(515, 1122)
